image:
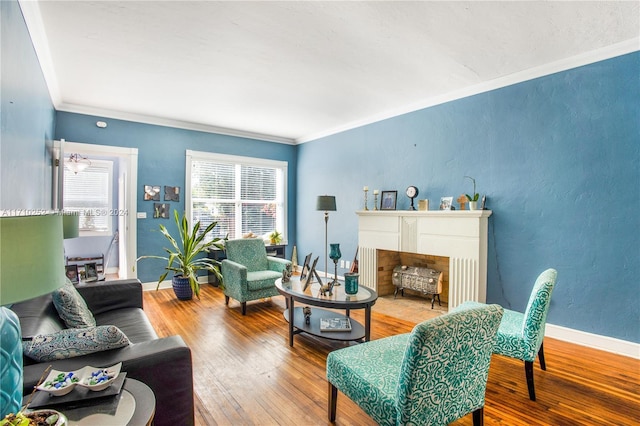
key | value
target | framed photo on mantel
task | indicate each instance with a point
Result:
(388, 200)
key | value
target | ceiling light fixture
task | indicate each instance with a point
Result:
(76, 163)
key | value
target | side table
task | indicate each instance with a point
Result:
(135, 405)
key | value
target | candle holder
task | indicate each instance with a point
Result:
(335, 255)
(365, 199)
(375, 200)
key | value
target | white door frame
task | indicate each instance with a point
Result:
(128, 235)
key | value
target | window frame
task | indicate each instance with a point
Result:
(245, 161)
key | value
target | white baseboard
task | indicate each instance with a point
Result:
(594, 341)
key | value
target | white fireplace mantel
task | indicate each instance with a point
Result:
(459, 235)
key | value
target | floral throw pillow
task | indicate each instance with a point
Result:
(72, 342)
(72, 308)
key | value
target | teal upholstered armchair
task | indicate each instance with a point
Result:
(521, 335)
(248, 273)
(431, 376)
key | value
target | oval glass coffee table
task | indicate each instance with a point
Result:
(293, 292)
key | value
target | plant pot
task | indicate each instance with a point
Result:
(473, 205)
(182, 287)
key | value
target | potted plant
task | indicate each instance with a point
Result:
(275, 237)
(185, 259)
(473, 199)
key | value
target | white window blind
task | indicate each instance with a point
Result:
(242, 194)
(89, 193)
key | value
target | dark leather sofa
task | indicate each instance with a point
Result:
(164, 364)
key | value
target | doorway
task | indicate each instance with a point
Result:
(124, 199)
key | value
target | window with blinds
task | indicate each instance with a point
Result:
(89, 193)
(242, 194)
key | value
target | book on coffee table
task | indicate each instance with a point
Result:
(335, 324)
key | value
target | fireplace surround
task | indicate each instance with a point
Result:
(454, 242)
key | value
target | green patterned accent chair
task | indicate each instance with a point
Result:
(521, 335)
(432, 376)
(248, 273)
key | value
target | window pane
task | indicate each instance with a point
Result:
(258, 183)
(212, 180)
(208, 212)
(88, 193)
(257, 218)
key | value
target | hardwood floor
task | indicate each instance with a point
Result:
(245, 373)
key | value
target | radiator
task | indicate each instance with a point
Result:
(368, 267)
(463, 281)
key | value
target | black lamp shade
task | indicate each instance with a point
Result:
(326, 203)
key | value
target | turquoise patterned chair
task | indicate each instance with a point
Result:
(520, 335)
(248, 273)
(431, 376)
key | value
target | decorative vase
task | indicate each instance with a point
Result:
(182, 287)
(351, 283)
(335, 255)
(473, 205)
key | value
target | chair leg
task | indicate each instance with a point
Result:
(226, 300)
(478, 417)
(528, 370)
(244, 308)
(541, 357)
(333, 400)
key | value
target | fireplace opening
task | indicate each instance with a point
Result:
(389, 259)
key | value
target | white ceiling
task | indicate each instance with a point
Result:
(295, 71)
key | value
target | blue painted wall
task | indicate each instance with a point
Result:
(26, 118)
(559, 160)
(161, 161)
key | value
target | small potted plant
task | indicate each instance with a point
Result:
(185, 259)
(473, 199)
(275, 237)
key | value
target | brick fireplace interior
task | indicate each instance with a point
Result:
(388, 259)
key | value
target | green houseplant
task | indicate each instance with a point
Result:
(275, 237)
(185, 258)
(473, 199)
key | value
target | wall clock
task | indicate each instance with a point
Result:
(412, 193)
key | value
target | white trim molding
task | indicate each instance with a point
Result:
(594, 341)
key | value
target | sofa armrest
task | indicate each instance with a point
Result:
(277, 264)
(109, 295)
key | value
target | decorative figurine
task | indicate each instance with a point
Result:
(286, 274)
(327, 288)
(307, 314)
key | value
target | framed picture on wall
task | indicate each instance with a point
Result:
(171, 193)
(152, 192)
(388, 200)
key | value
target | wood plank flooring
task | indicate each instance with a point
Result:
(245, 373)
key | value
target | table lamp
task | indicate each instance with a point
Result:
(31, 253)
(326, 203)
(70, 225)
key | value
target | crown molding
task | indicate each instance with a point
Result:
(608, 52)
(160, 121)
(35, 26)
